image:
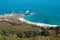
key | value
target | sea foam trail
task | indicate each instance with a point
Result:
(37, 24)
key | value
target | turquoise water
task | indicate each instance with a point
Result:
(46, 11)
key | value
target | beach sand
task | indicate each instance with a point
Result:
(21, 18)
(37, 24)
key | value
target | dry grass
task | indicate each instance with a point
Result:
(24, 27)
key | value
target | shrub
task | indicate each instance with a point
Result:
(57, 30)
(35, 33)
(45, 32)
(4, 32)
(20, 35)
(28, 34)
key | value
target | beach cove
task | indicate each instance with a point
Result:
(20, 18)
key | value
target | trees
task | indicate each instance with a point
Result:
(44, 32)
(33, 33)
(20, 35)
(4, 32)
(57, 30)
(28, 34)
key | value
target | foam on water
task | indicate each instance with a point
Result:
(37, 24)
(42, 18)
(41, 11)
(37, 17)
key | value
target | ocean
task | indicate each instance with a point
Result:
(40, 11)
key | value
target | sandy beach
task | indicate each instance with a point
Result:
(38, 24)
(21, 18)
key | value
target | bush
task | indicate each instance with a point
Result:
(20, 35)
(31, 33)
(45, 32)
(4, 32)
(28, 34)
(35, 33)
(57, 30)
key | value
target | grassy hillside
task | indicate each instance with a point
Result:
(9, 30)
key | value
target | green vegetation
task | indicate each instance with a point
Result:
(23, 31)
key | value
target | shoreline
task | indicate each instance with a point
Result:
(21, 18)
(37, 24)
